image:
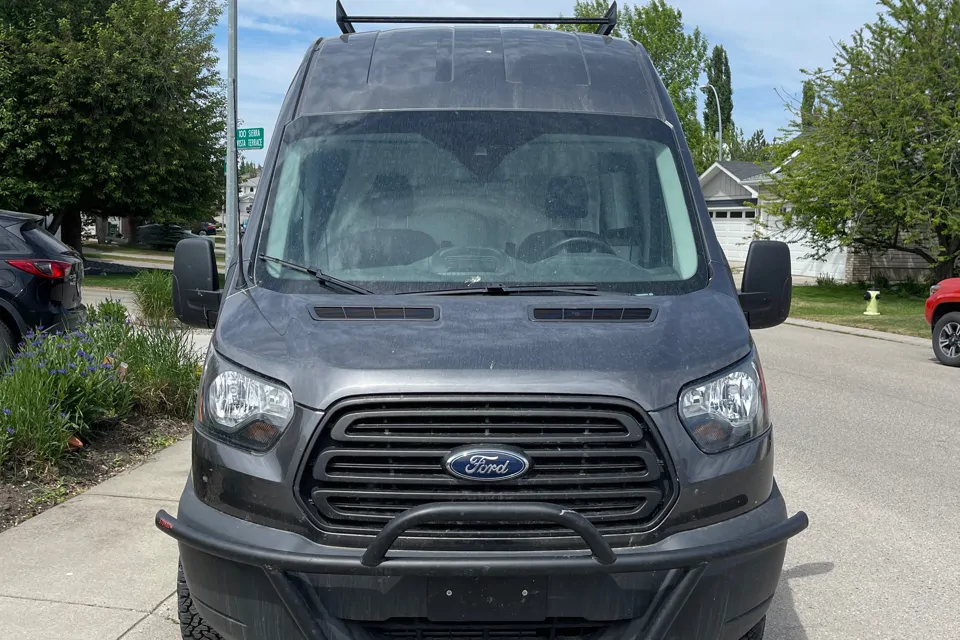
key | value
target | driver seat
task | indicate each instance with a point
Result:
(390, 198)
(566, 206)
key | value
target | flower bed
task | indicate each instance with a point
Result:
(63, 388)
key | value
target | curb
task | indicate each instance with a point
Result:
(863, 333)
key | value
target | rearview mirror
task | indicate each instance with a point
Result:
(196, 283)
(767, 287)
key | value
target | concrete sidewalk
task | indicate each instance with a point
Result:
(95, 567)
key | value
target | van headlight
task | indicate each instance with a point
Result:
(242, 409)
(728, 409)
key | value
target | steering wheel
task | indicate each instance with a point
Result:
(593, 245)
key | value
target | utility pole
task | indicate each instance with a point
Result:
(719, 121)
(233, 218)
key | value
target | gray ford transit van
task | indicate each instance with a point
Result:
(480, 368)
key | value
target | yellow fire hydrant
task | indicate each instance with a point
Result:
(872, 297)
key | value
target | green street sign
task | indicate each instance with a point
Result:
(250, 138)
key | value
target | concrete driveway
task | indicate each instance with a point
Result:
(866, 444)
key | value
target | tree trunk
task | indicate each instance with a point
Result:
(71, 231)
(943, 270)
(55, 223)
(103, 228)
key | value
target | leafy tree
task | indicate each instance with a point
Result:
(881, 168)
(752, 149)
(678, 56)
(808, 104)
(718, 75)
(110, 108)
(247, 169)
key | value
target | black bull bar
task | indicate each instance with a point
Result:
(684, 566)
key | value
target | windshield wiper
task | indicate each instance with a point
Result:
(500, 290)
(328, 281)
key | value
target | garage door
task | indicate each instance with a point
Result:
(734, 231)
(833, 265)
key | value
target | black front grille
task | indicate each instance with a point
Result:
(547, 630)
(375, 459)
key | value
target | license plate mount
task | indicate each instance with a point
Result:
(488, 599)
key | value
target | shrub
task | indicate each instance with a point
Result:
(65, 385)
(163, 369)
(826, 280)
(153, 293)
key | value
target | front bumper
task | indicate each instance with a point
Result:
(305, 595)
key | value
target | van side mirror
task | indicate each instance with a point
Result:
(196, 283)
(767, 287)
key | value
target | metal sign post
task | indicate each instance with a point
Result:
(232, 201)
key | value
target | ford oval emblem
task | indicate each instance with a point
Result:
(486, 464)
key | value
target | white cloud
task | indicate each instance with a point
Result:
(248, 22)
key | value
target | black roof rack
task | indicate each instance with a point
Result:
(605, 25)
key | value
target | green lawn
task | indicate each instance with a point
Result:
(119, 281)
(899, 313)
(110, 281)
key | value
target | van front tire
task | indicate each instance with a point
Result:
(192, 626)
(757, 632)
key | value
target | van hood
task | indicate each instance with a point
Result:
(482, 344)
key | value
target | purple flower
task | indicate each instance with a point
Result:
(83, 374)
(11, 430)
(7, 412)
(64, 414)
(62, 372)
(73, 365)
(36, 343)
(91, 369)
(107, 365)
(53, 372)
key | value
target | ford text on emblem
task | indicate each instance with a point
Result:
(486, 464)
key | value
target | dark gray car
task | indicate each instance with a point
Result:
(480, 368)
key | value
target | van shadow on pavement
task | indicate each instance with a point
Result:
(783, 622)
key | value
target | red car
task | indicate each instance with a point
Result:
(943, 315)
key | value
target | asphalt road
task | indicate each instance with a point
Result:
(867, 442)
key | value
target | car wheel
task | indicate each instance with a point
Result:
(7, 345)
(757, 632)
(192, 626)
(946, 339)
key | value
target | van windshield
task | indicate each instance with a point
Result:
(412, 201)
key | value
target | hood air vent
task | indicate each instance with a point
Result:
(593, 314)
(427, 314)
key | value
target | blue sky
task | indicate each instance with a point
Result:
(767, 41)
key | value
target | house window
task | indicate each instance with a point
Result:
(736, 214)
(710, 213)
(750, 214)
(721, 214)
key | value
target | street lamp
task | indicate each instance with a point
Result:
(719, 120)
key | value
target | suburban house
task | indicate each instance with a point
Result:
(742, 208)
(248, 190)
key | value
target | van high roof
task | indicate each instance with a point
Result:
(478, 67)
